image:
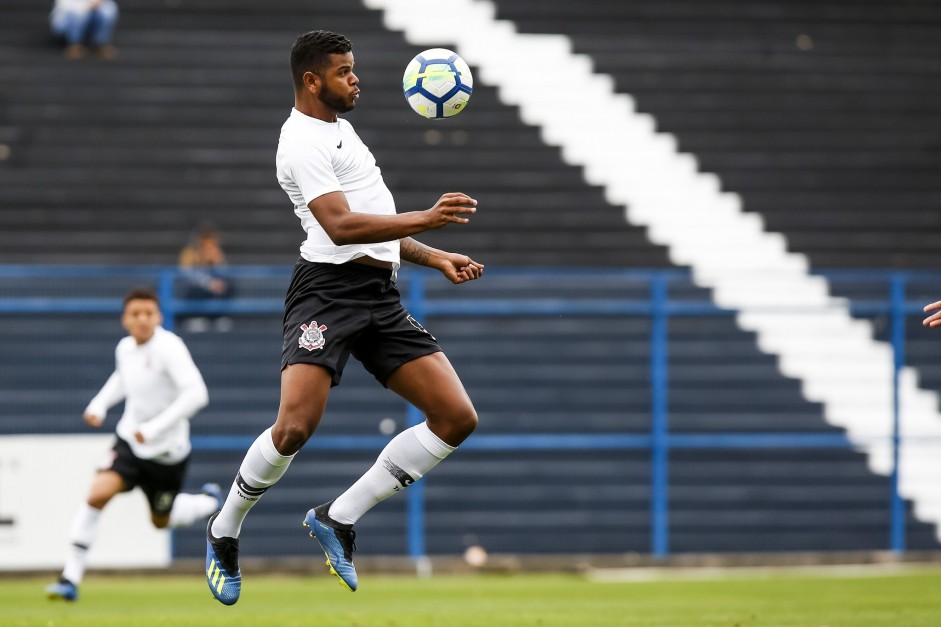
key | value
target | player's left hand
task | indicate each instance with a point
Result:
(139, 437)
(461, 268)
(933, 320)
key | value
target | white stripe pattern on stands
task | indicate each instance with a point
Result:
(791, 312)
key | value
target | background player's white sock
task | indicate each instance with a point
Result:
(83, 533)
(402, 462)
(262, 467)
(188, 508)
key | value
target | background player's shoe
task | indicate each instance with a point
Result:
(222, 566)
(63, 590)
(215, 491)
(337, 541)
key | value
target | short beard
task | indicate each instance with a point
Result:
(334, 100)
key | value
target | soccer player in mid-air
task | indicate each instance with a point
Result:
(162, 389)
(342, 300)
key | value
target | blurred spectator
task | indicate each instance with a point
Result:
(85, 22)
(203, 269)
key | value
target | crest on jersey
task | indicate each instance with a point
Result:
(312, 336)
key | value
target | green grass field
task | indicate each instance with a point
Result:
(908, 599)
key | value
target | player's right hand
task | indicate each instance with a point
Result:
(92, 419)
(451, 209)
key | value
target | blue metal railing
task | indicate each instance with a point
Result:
(657, 306)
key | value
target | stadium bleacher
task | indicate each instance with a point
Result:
(115, 163)
(822, 116)
(191, 113)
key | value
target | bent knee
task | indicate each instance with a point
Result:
(455, 425)
(467, 421)
(98, 502)
(288, 437)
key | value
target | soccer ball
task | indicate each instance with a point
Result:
(437, 83)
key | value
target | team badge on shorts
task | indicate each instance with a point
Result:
(312, 336)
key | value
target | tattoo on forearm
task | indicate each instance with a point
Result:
(410, 250)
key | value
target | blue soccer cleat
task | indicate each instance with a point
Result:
(338, 543)
(222, 566)
(62, 590)
(215, 491)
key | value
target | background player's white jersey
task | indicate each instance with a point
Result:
(316, 158)
(162, 390)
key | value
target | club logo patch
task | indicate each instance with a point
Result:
(312, 336)
(163, 501)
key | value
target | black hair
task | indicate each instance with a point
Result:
(311, 53)
(141, 293)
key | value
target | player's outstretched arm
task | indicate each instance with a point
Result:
(344, 226)
(934, 320)
(456, 267)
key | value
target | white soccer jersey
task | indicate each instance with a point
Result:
(316, 158)
(162, 390)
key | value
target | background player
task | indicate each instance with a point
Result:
(162, 389)
(343, 300)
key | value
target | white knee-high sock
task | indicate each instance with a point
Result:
(401, 463)
(188, 508)
(83, 533)
(262, 467)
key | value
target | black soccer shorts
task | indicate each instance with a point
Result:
(160, 482)
(334, 310)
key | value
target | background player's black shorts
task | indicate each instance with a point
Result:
(334, 310)
(160, 482)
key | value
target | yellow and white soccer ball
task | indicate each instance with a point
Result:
(437, 83)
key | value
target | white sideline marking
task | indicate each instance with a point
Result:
(713, 573)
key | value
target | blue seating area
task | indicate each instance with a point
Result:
(533, 374)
